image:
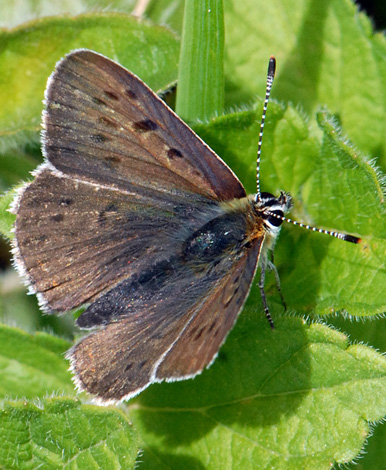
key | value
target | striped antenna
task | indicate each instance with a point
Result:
(341, 236)
(270, 77)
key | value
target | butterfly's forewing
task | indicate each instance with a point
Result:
(74, 240)
(163, 338)
(104, 125)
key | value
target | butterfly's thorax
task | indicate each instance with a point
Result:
(230, 232)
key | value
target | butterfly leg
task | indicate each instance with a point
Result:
(272, 267)
(262, 292)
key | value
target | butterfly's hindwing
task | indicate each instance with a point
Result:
(159, 337)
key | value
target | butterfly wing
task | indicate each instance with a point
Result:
(74, 240)
(162, 338)
(104, 125)
(122, 172)
(126, 182)
(208, 325)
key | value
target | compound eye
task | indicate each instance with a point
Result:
(267, 197)
(275, 221)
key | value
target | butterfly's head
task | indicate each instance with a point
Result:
(273, 209)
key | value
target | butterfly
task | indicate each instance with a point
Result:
(134, 215)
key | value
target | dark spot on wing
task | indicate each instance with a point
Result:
(193, 330)
(98, 101)
(131, 94)
(111, 95)
(198, 335)
(113, 159)
(66, 202)
(57, 218)
(43, 238)
(102, 214)
(129, 366)
(157, 336)
(212, 326)
(107, 122)
(145, 126)
(111, 208)
(142, 364)
(99, 138)
(174, 153)
(61, 150)
(226, 304)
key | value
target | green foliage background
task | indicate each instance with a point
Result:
(304, 396)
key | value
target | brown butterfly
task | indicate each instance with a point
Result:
(133, 214)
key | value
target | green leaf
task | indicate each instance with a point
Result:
(32, 365)
(373, 333)
(167, 12)
(14, 12)
(6, 218)
(63, 433)
(15, 165)
(201, 61)
(33, 50)
(327, 53)
(286, 408)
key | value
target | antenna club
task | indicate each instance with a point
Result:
(352, 239)
(271, 66)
